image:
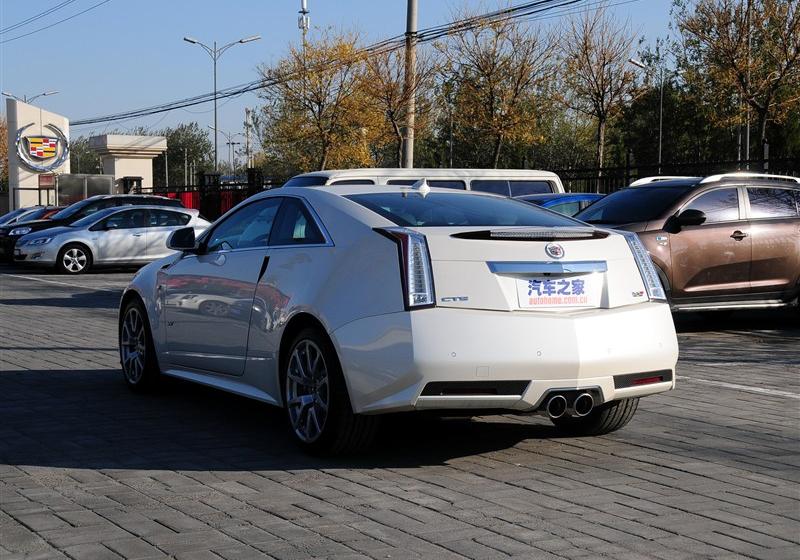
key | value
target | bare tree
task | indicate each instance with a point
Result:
(498, 69)
(385, 87)
(749, 46)
(596, 49)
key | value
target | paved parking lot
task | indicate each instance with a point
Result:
(89, 470)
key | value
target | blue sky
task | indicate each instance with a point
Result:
(128, 54)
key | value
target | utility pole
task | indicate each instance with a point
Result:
(247, 136)
(747, 133)
(410, 83)
(166, 169)
(185, 166)
(660, 118)
(303, 21)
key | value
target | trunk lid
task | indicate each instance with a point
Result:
(530, 269)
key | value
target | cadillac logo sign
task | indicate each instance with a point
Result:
(42, 153)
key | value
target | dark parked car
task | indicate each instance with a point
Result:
(568, 204)
(727, 241)
(10, 234)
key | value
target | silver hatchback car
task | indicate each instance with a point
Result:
(115, 236)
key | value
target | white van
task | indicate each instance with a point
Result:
(507, 182)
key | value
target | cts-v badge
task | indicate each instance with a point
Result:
(454, 298)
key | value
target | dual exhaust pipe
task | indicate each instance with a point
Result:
(557, 406)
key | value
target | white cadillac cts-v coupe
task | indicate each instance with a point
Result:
(342, 303)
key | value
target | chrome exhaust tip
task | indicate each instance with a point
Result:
(583, 405)
(557, 406)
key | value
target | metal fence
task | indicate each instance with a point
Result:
(610, 179)
(211, 196)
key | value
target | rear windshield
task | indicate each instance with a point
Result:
(445, 209)
(636, 204)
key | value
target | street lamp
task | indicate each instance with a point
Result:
(215, 53)
(229, 136)
(25, 98)
(643, 66)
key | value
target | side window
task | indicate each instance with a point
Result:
(248, 227)
(440, 183)
(165, 218)
(354, 182)
(448, 184)
(721, 205)
(294, 226)
(128, 219)
(491, 186)
(521, 188)
(773, 203)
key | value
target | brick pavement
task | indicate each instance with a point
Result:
(89, 470)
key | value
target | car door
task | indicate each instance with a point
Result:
(299, 249)
(121, 237)
(775, 230)
(161, 224)
(712, 259)
(208, 296)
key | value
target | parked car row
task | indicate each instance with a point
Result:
(101, 230)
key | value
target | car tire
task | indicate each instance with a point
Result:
(74, 258)
(317, 404)
(137, 354)
(603, 419)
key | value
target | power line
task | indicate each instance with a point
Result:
(55, 23)
(527, 10)
(33, 18)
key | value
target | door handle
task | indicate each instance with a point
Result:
(136, 234)
(738, 235)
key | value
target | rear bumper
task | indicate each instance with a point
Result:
(388, 360)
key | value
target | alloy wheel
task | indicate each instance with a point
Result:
(307, 391)
(74, 260)
(134, 345)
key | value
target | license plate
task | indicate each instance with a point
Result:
(560, 291)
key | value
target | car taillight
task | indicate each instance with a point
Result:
(655, 290)
(415, 266)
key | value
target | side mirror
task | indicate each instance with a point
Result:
(182, 240)
(691, 217)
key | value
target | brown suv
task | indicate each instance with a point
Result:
(721, 242)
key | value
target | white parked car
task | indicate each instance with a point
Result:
(120, 235)
(505, 182)
(376, 299)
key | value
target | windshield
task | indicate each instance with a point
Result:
(444, 209)
(637, 204)
(71, 210)
(93, 217)
(5, 218)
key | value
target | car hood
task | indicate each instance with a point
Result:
(35, 225)
(49, 232)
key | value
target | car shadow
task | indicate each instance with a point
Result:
(89, 419)
(96, 299)
(786, 320)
